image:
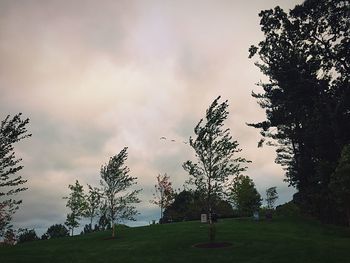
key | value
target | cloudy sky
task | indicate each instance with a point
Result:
(95, 76)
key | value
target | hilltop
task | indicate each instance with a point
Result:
(282, 240)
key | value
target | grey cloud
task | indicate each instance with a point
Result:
(97, 76)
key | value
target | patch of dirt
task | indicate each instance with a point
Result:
(213, 245)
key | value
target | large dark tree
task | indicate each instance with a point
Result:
(340, 183)
(12, 130)
(306, 57)
(216, 152)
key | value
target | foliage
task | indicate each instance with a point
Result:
(244, 195)
(164, 193)
(340, 182)
(271, 197)
(189, 205)
(115, 180)
(77, 204)
(44, 236)
(289, 210)
(305, 55)
(103, 222)
(10, 237)
(12, 130)
(56, 231)
(215, 152)
(26, 235)
(71, 222)
(92, 201)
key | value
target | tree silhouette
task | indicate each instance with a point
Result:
(115, 180)
(305, 55)
(216, 156)
(12, 130)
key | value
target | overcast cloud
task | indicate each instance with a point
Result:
(95, 76)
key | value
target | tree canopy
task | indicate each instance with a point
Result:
(216, 156)
(306, 56)
(77, 204)
(12, 130)
(115, 181)
(244, 196)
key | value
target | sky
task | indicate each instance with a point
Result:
(96, 76)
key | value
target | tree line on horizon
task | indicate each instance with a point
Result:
(306, 56)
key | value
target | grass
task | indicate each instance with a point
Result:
(282, 240)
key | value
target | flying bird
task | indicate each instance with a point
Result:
(173, 140)
(162, 138)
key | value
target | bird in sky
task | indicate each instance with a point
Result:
(162, 138)
(173, 140)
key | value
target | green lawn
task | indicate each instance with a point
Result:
(278, 241)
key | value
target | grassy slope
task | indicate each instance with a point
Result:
(278, 241)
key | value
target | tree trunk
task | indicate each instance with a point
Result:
(113, 229)
(212, 231)
(348, 215)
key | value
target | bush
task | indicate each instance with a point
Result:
(57, 230)
(26, 235)
(289, 209)
(10, 237)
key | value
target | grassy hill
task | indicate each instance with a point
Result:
(279, 241)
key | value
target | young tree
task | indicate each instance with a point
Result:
(92, 200)
(12, 130)
(271, 197)
(164, 193)
(71, 222)
(340, 182)
(115, 180)
(216, 156)
(244, 195)
(77, 204)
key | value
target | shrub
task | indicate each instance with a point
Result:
(26, 235)
(57, 230)
(289, 209)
